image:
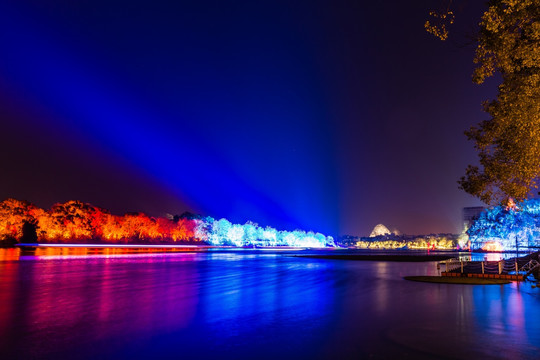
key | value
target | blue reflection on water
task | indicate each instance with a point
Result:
(255, 304)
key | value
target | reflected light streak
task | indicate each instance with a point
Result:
(98, 256)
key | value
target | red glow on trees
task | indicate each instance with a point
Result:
(75, 221)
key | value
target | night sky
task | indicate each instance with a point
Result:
(330, 116)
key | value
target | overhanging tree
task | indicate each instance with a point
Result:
(508, 143)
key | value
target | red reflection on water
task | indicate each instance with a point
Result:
(9, 254)
(71, 253)
(95, 297)
(8, 275)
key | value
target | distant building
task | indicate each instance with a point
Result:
(470, 214)
(380, 230)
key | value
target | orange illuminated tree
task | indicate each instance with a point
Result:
(75, 221)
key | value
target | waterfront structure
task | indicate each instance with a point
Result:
(380, 230)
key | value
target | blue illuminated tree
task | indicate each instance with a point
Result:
(514, 228)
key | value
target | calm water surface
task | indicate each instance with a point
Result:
(247, 305)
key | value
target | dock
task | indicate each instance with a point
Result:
(515, 269)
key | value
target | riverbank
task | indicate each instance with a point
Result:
(379, 257)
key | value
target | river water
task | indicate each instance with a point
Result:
(253, 305)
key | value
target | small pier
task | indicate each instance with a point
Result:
(516, 269)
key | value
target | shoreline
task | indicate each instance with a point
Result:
(394, 258)
(327, 253)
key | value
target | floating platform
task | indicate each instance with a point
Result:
(485, 276)
(459, 280)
